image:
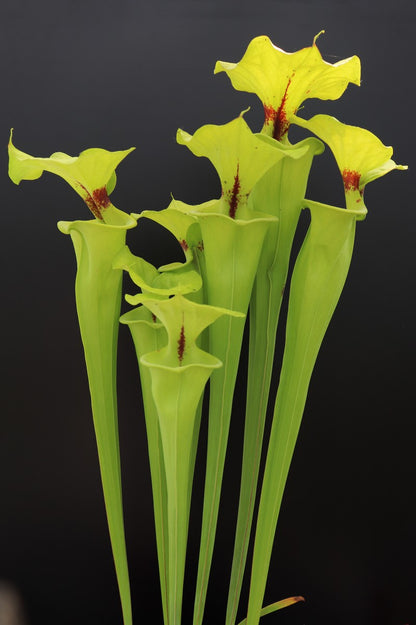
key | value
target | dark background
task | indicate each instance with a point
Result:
(78, 74)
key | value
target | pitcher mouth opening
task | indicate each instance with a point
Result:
(125, 222)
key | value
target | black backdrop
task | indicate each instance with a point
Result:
(78, 74)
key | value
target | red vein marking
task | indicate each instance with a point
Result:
(181, 344)
(351, 179)
(96, 202)
(101, 198)
(234, 194)
(278, 117)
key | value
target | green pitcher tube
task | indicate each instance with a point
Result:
(148, 335)
(179, 372)
(282, 81)
(177, 395)
(280, 193)
(98, 298)
(232, 238)
(98, 294)
(317, 281)
(231, 249)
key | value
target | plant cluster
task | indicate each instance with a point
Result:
(188, 318)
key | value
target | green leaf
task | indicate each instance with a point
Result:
(360, 155)
(150, 280)
(274, 607)
(283, 80)
(240, 157)
(91, 175)
(183, 226)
